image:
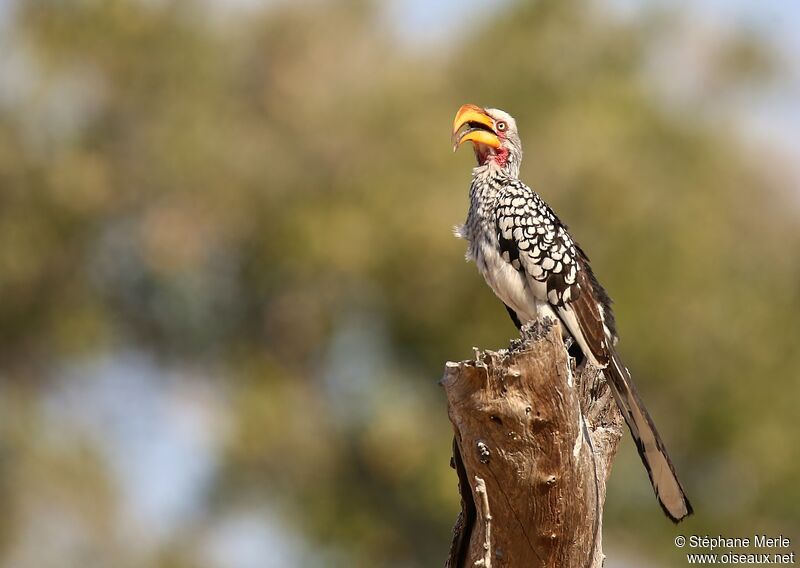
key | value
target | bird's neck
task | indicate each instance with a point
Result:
(491, 175)
(487, 181)
(505, 164)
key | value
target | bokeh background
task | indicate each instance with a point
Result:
(228, 283)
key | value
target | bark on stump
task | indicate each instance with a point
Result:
(534, 442)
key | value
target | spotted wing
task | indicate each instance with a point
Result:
(535, 242)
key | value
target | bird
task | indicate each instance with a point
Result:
(534, 266)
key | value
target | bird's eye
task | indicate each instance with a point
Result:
(501, 126)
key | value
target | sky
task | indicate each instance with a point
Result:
(772, 119)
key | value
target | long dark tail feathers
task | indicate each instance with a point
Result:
(655, 458)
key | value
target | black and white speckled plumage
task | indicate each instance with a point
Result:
(535, 241)
(551, 272)
(531, 262)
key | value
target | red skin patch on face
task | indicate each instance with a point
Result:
(498, 156)
(485, 153)
(501, 157)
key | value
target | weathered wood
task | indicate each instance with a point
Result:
(534, 442)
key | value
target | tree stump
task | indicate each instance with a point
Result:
(534, 442)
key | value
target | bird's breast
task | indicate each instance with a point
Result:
(509, 284)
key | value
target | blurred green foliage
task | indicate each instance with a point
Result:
(271, 197)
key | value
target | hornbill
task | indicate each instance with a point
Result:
(534, 266)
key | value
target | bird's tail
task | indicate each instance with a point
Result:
(668, 488)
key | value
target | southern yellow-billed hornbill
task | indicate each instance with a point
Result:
(535, 267)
